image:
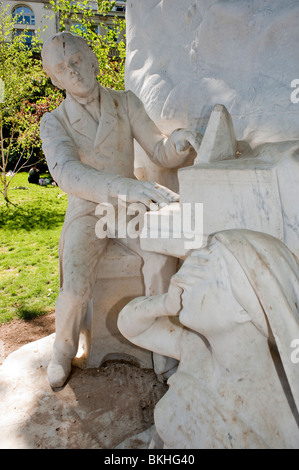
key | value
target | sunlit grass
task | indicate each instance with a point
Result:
(29, 237)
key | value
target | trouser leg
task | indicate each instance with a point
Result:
(69, 316)
(81, 254)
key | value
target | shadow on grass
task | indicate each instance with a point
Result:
(31, 217)
(27, 313)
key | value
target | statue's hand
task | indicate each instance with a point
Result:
(150, 194)
(183, 139)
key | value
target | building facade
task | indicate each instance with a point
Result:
(37, 18)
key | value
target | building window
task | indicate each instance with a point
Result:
(24, 23)
(120, 6)
(23, 15)
(28, 34)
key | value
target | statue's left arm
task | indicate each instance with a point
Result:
(168, 152)
(146, 322)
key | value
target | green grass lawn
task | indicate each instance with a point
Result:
(29, 236)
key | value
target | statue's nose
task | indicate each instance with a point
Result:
(72, 69)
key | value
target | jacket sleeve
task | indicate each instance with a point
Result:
(159, 148)
(65, 166)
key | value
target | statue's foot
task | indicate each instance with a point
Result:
(58, 371)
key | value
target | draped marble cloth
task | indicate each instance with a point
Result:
(185, 56)
(273, 272)
(213, 421)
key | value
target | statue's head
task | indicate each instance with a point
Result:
(242, 277)
(219, 283)
(217, 296)
(70, 63)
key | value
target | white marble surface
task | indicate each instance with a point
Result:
(252, 189)
(219, 142)
(88, 142)
(199, 53)
(186, 56)
(229, 318)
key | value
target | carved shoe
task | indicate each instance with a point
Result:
(58, 371)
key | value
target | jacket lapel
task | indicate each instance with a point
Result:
(84, 124)
(80, 119)
(108, 119)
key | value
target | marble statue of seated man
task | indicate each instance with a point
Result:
(88, 143)
(230, 318)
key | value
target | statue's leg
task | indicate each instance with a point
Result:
(81, 254)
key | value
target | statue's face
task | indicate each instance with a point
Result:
(208, 304)
(217, 300)
(72, 67)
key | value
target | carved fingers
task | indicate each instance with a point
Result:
(151, 194)
(184, 139)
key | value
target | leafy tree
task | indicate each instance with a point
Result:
(20, 75)
(26, 93)
(81, 19)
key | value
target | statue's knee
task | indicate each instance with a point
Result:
(73, 298)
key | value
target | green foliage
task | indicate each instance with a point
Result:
(19, 70)
(34, 213)
(28, 92)
(29, 116)
(30, 227)
(109, 46)
(29, 237)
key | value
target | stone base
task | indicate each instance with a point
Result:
(119, 281)
(96, 409)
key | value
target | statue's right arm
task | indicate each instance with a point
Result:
(145, 322)
(81, 180)
(70, 173)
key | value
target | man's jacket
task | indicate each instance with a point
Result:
(84, 156)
